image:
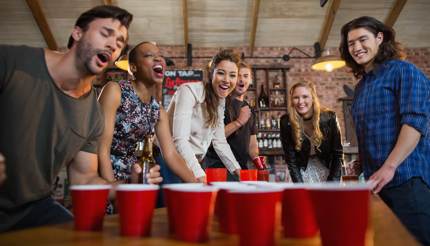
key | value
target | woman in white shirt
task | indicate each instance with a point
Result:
(196, 113)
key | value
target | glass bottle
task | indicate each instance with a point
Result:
(144, 150)
(263, 99)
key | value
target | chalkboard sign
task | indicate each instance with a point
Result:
(174, 78)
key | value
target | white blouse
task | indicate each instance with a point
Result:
(191, 135)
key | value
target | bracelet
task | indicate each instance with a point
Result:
(238, 123)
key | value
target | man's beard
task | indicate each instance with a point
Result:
(237, 93)
(85, 52)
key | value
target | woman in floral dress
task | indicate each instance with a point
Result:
(131, 112)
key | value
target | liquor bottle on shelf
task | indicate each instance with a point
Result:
(276, 99)
(274, 123)
(268, 122)
(262, 122)
(260, 143)
(277, 82)
(263, 99)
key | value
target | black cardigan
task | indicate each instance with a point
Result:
(330, 152)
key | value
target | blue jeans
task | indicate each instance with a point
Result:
(411, 203)
(168, 178)
(42, 212)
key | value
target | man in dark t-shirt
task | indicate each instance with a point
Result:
(50, 117)
(240, 126)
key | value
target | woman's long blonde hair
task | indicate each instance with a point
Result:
(211, 98)
(297, 121)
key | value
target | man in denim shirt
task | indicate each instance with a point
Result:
(391, 111)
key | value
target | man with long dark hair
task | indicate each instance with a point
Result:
(391, 111)
(51, 118)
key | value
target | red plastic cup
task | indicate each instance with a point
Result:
(342, 212)
(89, 206)
(258, 163)
(216, 174)
(224, 207)
(298, 219)
(263, 161)
(263, 175)
(192, 209)
(255, 215)
(168, 201)
(136, 204)
(248, 175)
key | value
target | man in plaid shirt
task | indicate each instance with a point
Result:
(391, 112)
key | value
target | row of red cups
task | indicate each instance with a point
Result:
(135, 203)
(340, 211)
(220, 174)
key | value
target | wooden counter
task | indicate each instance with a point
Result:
(385, 229)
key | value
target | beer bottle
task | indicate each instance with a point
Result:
(144, 150)
(263, 99)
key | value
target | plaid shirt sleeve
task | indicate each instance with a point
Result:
(414, 98)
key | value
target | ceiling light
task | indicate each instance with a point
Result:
(122, 62)
(327, 62)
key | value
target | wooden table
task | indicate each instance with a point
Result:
(385, 229)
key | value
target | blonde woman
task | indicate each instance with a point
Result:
(310, 137)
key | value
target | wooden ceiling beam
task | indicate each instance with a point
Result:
(252, 34)
(395, 12)
(185, 20)
(40, 18)
(328, 22)
(108, 2)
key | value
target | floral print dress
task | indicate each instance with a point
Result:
(134, 120)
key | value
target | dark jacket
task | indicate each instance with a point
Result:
(330, 152)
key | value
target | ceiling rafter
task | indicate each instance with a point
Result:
(252, 34)
(328, 22)
(40, 18)
(185, 20)
(395, 12)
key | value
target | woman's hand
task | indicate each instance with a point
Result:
(154, 176)
(201, 179)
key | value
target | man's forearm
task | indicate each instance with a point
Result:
(231, 127)
(406, 142)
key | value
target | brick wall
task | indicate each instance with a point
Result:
(329, 85)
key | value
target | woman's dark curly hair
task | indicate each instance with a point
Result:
(389, 49)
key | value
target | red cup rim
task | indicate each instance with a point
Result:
(284, 186)
(170, 186)
(339, 186)
(236, 186)
(196, 189)
(90, 187)
(226, 184)
(254, 189)
(220, 168)
(248, 170)
(137, 187)
(254, 182)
